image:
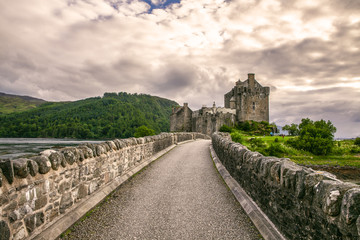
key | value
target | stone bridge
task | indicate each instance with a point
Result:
(179, 196)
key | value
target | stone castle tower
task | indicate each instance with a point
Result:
(248, 100)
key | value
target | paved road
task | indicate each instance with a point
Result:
(179, 196)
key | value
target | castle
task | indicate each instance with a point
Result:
(248, 100)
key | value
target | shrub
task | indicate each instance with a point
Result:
(357, 141)
(276, 140)
(276, 150)
(143, 131)
(225, 128)
(257, 143)
(236, 137)
(315, 137)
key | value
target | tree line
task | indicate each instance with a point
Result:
(115, 115)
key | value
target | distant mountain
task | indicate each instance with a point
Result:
(115, 115)
(13, 103)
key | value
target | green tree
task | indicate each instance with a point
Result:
(315, 137)
(143, 131)
(293, 129)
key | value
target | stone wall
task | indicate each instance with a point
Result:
(301, 202)
(35, 192)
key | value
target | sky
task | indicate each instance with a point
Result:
(306, 51)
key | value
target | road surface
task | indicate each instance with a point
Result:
(179, 196)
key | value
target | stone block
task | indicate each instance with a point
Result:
(34, 221)
(70, 154)
(21, 167)
(43, 163)
(41, 202)
(4, 230)
(7, 169)
(20, 234)
(56, 158)
(33, 167)
(64, 186)
(66, 201)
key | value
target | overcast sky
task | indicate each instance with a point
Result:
(307, 51)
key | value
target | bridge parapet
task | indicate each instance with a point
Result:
(301, 202)
(38, 191)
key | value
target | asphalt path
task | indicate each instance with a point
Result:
(179, 196)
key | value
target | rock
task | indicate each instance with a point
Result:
(70, 154)
(350, 206)
(21, 234)
(83, 191)
(56, 159)
(21, 167)
(1, 179)
(100, 150)
(33, 167)
(47, 152)
(7, 168)
(41, 202)
(4, 230)
(66, 201)
(34, 221)
(111, 145)
(43, 163)
(88, 152)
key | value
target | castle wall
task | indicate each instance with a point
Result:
(209, 120)
(302, 203)
(180, 119)
(37, 193)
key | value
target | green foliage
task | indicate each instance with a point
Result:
(143, 131)
(345, 153)
(293, 129)
(256, 143)
(225, 128)
(276, 140)
(276, 150)
(256, 128)
(357, 141)
(112, 116)
(236, 137)
(315, 137)
(13, 103)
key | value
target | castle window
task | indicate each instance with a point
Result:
(253, 105)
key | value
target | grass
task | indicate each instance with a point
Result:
(345, 152)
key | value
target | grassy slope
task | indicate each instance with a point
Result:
(345, 153)
(13, 103)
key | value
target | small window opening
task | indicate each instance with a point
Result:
(253, 105)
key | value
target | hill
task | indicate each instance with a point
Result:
(115, 115)
(13, 103)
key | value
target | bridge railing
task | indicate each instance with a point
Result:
(38, 191)
(301, 202)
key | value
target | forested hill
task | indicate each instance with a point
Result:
(111, 116)
(13, 103)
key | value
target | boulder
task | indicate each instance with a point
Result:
(7, 168)
(21, 167)
(43, 163)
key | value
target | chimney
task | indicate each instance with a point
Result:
(251, 77)
(185, 104)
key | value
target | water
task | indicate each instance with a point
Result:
(26, 147)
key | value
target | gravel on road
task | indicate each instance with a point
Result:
(179, 196)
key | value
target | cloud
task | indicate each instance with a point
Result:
(308, 52)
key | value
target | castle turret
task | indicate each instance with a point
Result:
(251, 77)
